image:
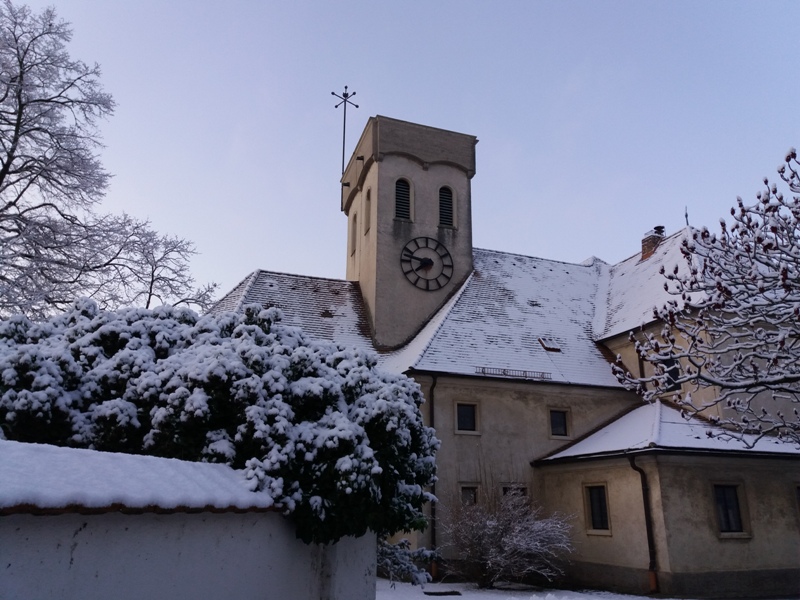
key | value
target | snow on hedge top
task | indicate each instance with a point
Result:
(50, 477)
(657, 426)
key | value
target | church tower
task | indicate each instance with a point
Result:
(406, 195)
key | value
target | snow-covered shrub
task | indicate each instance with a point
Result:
(339, 444)
(398, 562)
(506, 539)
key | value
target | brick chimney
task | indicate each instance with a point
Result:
(651, 240)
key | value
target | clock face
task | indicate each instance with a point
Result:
(426, 263)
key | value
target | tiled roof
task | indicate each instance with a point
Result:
(507, 312)
(659, 426)
(327, 309)
(516, 316)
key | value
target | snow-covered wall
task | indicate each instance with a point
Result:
(176, 556)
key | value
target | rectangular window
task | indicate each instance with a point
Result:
(466, 417)
(729, 515)
(515, 489)
(469, 495)
(597, 508)
(673, 371)
(558, 423)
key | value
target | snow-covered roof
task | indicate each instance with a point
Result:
(635, 287)
(658, 426)
(515, 316)
(44, 477)
(327, 309)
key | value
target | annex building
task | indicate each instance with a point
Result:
(513, 355)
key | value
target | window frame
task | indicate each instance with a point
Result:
(589, 505)
(474, 488)
(672, 370)
(741, 507)
(456, 424)
(513, 488)
(567, 422)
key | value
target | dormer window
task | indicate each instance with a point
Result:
(445, 207)
(402, 200)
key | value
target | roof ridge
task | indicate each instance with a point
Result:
(298, 276)
(243, 298)
(553, 260)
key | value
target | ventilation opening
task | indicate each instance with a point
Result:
(402, 200)
(445, 207)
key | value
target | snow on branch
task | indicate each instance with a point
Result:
(730, 341)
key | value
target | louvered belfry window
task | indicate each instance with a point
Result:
(402, 200)
(445, 207)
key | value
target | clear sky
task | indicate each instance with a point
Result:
(596, 120)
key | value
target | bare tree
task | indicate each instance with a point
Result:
(506, 538)
(733, 328)
(53, 245)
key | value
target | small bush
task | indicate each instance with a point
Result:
(507, 538)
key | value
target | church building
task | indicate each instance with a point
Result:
(513, 354)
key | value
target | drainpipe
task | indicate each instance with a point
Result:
(434, 565)
(652, 571)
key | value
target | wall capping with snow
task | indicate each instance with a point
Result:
(108, 525)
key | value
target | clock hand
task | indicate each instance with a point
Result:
(425, 264)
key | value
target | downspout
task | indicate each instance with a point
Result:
(434, 565)
(652, 571)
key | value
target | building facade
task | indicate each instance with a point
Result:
(513, 354)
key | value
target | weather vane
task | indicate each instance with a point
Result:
(345, 99)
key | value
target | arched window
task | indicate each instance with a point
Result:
(402, 199)
(445, 207)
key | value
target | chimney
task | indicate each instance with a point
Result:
(651, 240)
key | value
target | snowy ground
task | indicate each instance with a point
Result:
(405, 591)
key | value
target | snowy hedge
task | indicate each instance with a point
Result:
(339, 444)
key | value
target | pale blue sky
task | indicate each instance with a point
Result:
(596, 120)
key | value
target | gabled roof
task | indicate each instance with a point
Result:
(44, 477)
(657, 426)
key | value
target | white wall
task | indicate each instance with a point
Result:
(176, 557)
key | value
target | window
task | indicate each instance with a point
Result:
(445, 207)
(367, 211)
(729, 515)
(597, 508)
(469, 495)
(353, 233)
(467, 417)
(673, 371)
(558, 423)
(514, 489)
(402, 199)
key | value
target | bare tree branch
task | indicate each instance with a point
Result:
(53, 245)
(734, 325)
